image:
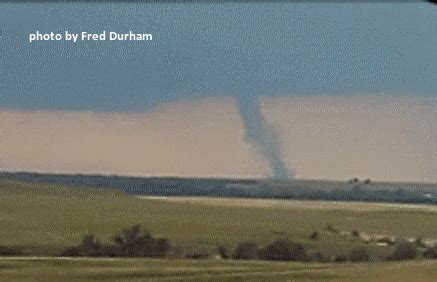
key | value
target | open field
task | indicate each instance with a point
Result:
(92, 269)
(294, 204)
(43, 219)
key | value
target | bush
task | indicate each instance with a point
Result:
(131, 242)
(430, 253)
(162, 247)
(89, 247)
(419, 242)
(355, 233)
(246, 250)
(314, 235)
(9, 251)
(111, 251)
(331, 228)
(135, 242)
(283, 249)
(339, 258)
(404, 250)
(73, 251)
(223, 252)
(197, 254)
(318, 257)
(358, 254)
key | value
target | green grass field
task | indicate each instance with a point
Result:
(43, 219)
(91, 269)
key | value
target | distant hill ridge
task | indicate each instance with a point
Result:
(246, 188)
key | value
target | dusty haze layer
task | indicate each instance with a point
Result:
(331, 137)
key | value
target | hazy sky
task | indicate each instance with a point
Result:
(322, 137)
(351, 88)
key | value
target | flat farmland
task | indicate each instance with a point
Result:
(46, 218)
(92, 269)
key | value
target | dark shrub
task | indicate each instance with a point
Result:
(130, 242)
(135, 242)
(314, 235)
(283, 249)
(74, 251)
(111, 250)
(158, 247)
(222, 251)
(430, 253)
(339, 258)
(419, 242)
(355, 233)
(358, 254)
(404, 250)
(9, 251)
(246, 250)
(331, 228)
(196, 254)
(318, 257)
(91, 246)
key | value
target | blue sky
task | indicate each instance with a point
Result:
(200, 50)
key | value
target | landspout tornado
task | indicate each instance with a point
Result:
(260, 134)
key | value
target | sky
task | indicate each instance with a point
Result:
(201, 59)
